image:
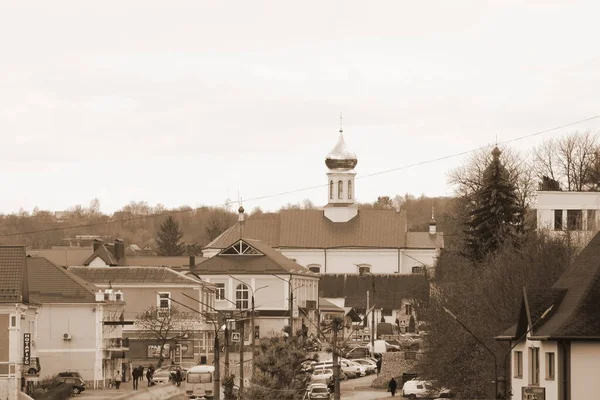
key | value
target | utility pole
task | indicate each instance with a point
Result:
(373, 316)
(253, 333)
(226, 349)
(291, 306)
(242, 357)
(216, 374)
(336, 364)
(372, 349)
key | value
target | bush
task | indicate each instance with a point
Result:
(59, 391)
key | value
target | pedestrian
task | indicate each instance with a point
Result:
(149, 374)
(392, 386)
(118, 378)
(135, 374)
(178, 377)
(379, 362)
(331, 385)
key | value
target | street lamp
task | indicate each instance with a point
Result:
(362, 272)
(290, 300)
(480, 342)
(252, 291)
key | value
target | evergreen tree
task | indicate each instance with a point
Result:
(496, 215)
(168, 238)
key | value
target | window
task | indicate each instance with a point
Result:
(241, 248)
(349, 190)
(340, 189)
(331, 190)
(241, 296)
(550, 366)
(364, 269)
(534, 355)
(13, 321)
(574, 220)
(408, 309)
(164, 301)
(220, 294)
(591, 220)
(417, 270)
(316, 268)
(518, 367)
(558, 225)
(199, 377)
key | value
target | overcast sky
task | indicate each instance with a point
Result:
(190, 102)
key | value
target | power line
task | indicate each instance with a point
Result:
(177, 212)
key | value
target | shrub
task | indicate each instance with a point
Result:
(60, 391)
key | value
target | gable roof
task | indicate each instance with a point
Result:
(327, 306)
(13, 271)
(270, 261)
(311, 229)
(104, 254)
(576, 302)
(133, 275)
(49, 283)
(390, 290)
(63, 257)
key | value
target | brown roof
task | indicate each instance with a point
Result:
(104, 253)
(270, 262)
(575, 298)
(49, 283)
(423, 240)
(390, 290)
(62, 257)
(311, 229)
(132, 275)
(13, 273)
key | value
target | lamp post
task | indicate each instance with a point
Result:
(252, 291)
(290, 300)
(480, 342)
(362, 272)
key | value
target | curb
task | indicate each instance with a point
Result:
(152, 393)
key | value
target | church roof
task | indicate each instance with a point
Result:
(311, 229)
(341, 157)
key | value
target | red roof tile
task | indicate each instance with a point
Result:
(132, 275)
(49, 283)
(13, 275)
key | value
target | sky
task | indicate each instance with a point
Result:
(194, 102)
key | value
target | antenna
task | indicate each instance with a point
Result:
(341, 128)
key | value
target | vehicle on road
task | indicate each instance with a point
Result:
(308, 366)
(417, 389)
(76, 382)
(321, 375)
(352, 369)
(317, 391)
(199, 382)
(370, 365)
(161, 377)
(446, 394)
(358, 352)
(69, 374)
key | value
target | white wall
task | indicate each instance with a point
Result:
(97, 262)
(551, 385)
(585, 357)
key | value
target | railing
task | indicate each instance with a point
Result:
(116, 343)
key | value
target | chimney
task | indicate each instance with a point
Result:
(97, 244)
(119, 249)
(432, 223)
(99, 295)
(192, 261)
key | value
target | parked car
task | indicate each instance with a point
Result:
(321, 375)
(352, 369)
(416, 389)
(445, 394)
(358, 352)
(407, 343)
(370, 365)
(69, 374)
(318, 391)
(393, 347)
(76, 382)
(308, 366)
(161, 377)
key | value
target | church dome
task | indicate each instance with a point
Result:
(341, 157)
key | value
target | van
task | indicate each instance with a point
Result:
(199, 382)
(416, 389)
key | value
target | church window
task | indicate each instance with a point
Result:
(331, 190)
(340, 189)
(349, 190)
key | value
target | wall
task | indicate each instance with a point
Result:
(551, 386)
(584, 370)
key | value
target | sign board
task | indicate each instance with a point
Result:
(26, 348)
(366, 330)
(295, 314)
(235, 336)
(534, 393)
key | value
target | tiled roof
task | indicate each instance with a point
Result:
(62, 257)
(105, 255)
(49, 283)
(423, 240)
(311, 229)
(132, 275)
(158, 261)
(13, 275)
(271, 262)
(576, 299)
(389, 289)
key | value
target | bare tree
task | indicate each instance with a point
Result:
(164, 326)
(569, 160)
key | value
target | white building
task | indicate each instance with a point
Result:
(340, 238)
(557, 335)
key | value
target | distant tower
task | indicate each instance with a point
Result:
(341, 205)
(432, 223)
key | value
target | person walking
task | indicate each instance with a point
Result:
(392, 386)
(178, 377)
(149, 374)
(379, 362)
(118, 378)
(135, 374)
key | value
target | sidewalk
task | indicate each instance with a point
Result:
(124, 391)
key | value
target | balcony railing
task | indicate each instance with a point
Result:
(116, 344)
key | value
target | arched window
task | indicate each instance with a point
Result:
(241, 296)
(349, 190)
(340, 189)
(331, 190)
(316, 268)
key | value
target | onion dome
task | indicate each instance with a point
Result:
(341, 157)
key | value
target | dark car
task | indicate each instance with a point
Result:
(76, 382)
(358, 352)
(69, 374)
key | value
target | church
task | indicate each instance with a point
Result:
(340, 238)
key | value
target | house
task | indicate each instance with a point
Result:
(577, 213)
(79, 325)
(340, 238)
(63, 256)
(18, 331)
(556, 338)
(159, 292)
(249, 271)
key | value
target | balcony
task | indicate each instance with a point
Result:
(116, 344)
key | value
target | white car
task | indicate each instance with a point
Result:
(416, 389)
(370, 365)
(161, 377)
(321, 375)
(317, 391)
(352, 368)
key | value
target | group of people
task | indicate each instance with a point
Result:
(137, 374)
